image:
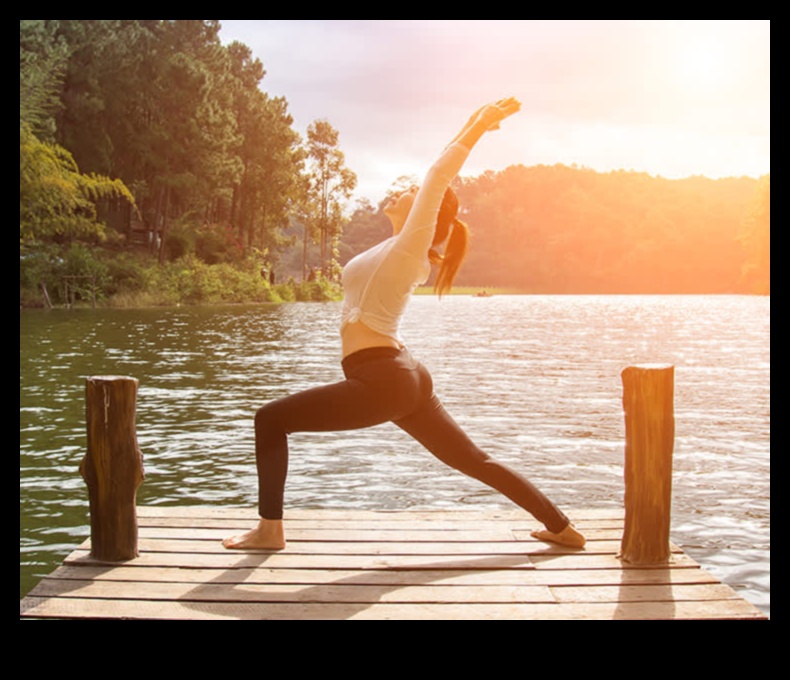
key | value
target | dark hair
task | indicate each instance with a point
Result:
(455, 251)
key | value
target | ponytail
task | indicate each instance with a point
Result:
(455, 252)
(454, 255)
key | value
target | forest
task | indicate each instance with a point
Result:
(156, 170)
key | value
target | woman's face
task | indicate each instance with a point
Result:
(399, 205)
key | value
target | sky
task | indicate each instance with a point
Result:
(670, 98)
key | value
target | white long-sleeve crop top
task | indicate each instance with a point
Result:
(377, 283)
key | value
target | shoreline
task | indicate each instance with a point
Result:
(422, 291)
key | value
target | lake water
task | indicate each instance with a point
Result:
(535, 380)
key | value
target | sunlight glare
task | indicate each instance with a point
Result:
(702, 62)
(702, 65)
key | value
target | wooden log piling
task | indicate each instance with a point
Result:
(112, 467)
(648, 396)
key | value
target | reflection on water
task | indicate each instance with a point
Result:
(535, 380)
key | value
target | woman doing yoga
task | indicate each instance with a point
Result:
(383, 382)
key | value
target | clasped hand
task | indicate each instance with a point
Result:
(491, 115)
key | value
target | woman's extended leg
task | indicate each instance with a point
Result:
(435, 429)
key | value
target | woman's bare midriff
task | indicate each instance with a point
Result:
(357, 336)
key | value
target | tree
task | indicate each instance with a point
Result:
(56, 201)
(330, 183)
(188, 130)
(177, 116)
(42, 63)
(143, 100)
(755, 237)
(367, 227)
(269, 152)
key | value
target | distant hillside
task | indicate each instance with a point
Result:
(559, 229)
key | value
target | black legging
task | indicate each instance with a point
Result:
(383, 384)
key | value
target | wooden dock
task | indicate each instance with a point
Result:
(349, 564)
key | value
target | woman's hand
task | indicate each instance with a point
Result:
(487, 117)
(491, 115)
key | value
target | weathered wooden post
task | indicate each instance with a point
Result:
(112, 467)
(649, 441)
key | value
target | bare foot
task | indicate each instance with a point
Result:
(568, 536)
(268, 535)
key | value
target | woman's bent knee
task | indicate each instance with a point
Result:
(267, 418)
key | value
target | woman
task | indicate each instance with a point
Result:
(383, 381)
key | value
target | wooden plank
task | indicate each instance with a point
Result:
(350, 591)
(551, 559)
(378, 565)
(475, 516)
(369, 594)
(350, 533)
(149, 610)
(246, 592)
(645, 593)
(402, 547)
(412, 520)
(289, 561)
(260, 575)
(342, 534)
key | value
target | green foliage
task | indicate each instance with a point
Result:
(164, 107)
(42, 60)
(56, 201)
(318, 290)
(190, 281)
(179, 242)
(211, 243)
(125, 275)
(37, 269)
(271, 159)
(136, 281)
(88, 270)
(83, 261)
(216, 243)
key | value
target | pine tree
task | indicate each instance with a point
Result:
(330, 183)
